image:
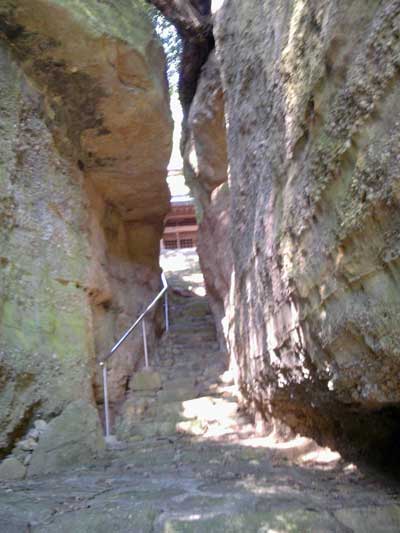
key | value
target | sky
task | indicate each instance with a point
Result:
(176, 182)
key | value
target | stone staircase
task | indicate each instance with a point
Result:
(187, 391)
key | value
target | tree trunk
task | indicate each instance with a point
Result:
(192, 20)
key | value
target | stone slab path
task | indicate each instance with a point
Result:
(188, 460)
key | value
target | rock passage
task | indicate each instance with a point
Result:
(187, 459)
(180, 395)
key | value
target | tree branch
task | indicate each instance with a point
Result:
(189, 18)
(192, 20)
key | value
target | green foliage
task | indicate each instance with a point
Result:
(172, 46)
(171, 41)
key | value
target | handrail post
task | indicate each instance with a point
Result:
(105, 391)
(166, 311)
(146, 355)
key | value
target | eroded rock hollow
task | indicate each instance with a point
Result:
(310, 209)
(86, 138)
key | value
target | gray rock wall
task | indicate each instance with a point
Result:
(206, 172)
(312, 107)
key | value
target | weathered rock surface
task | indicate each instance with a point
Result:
(169, 486)
(86, 134)
(311, 107)
(147, 380)
(210, 473)
(206, 172)
(11, 469)
(73, 438)
(311, 98)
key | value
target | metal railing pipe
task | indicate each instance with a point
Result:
(146, 355)
(103, 362)
(130, 330)
(106, 410)
(166, 311)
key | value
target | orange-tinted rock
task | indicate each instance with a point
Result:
(86, 138)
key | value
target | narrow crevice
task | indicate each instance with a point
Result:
(193, 23)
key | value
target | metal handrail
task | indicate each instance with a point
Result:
(103, 362)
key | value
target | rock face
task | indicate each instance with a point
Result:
(312, 107)
(75, 437)
(206, 172)
(85, 140)
(11, 468)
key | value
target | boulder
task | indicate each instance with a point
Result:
(11, 469)
(73, 438)
(41, 426)
(147, 380)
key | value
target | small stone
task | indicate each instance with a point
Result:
(12, 469)
(112, 443)
(41, 425)
(34, 434)
(27, 445)
(73, 438)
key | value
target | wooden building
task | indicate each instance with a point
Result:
(180, 228)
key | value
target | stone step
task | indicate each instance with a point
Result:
(191, 339)
(199, 368)
(146, 380)
(146, 429)
(184, 316)
(206, 409)
(190, 332)
(189, 359)
(178, 394)
(138, 411)
(206, 333)
(186, 353)
(164, 410)
(188, 383)
(150, 428)
(193, 308)
(209, 409)
(194, 364)
(181, 346)
(191, 328)
(187, 326)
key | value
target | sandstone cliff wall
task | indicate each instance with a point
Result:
(206, 172)
(312, 110)
(85, 140)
